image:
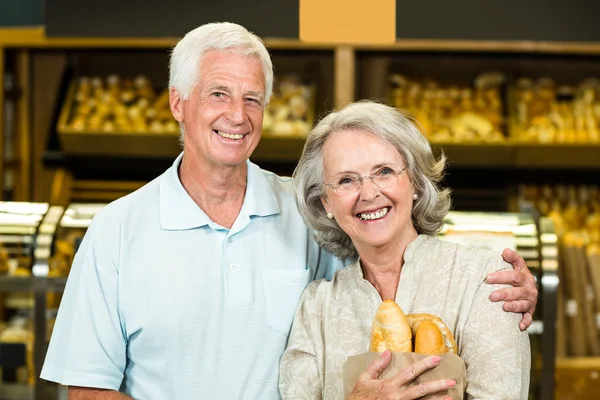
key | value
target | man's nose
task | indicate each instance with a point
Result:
(236, 112)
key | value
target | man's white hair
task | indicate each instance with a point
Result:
(184, 67)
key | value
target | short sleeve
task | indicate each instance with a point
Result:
(497, 354)
(322, 263)
(88, 346)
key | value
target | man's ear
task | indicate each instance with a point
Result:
(176, 104)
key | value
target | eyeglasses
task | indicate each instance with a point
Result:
(350, 183)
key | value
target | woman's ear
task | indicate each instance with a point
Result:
(325, 203)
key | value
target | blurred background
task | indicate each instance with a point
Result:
(509, 90)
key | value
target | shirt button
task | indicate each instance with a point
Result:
(233, 266)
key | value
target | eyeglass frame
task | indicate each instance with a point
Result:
(334, 186)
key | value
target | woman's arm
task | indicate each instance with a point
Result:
(299, 376)
(495, 350)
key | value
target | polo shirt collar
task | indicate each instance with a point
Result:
(178, 211)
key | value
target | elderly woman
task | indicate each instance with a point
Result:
(367, 184)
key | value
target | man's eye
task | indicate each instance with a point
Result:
(250, 99)
(218, 94)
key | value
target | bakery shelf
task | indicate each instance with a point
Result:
(278, 149)
(16, 392)
(570, 156)
(478, 155)
(577, 378)
(16, 284)
(144, 145)
(26, 284)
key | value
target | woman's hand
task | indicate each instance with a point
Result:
(370, 387)
(522, 297)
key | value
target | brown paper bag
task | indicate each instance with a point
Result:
(451, 367)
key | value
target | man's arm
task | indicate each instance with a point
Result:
(83, 393)
(522, 297)
(88, 347)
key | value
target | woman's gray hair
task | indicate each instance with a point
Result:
(393, 127)
(184, 71)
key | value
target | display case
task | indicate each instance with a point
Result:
(575, 212)
(19, 228)
(38, 245)
(535, 241)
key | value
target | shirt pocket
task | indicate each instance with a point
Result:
(283, 288)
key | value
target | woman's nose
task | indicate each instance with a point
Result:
(368, 190)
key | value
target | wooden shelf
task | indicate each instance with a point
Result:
(26, 284)
(16, 284)
(35, 37)
(577, 378)
(278, 149)
(553, 156)
(274, 149)
(14, 391)
(477, 155)
(134, 145)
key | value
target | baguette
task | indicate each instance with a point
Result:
(390, 329)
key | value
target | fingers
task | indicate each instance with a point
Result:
(517, 294)
(507, 277)
(378, 366)
(513, 258)
(411, 372)
(517, 306)
(526, 321)
(423, 389)
(522, 278)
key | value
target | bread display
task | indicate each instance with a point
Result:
(20, 330)
(291, 109)
(453, 113)
(547, 112)
(117, 104)
(418, 333)
(575, 213)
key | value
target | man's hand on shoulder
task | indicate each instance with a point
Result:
(522, 296)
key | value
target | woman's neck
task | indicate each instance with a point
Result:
(382, 266)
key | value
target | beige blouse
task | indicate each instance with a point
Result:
(334, 319)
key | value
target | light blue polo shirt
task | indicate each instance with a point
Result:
(162, 303)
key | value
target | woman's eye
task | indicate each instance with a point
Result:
(386, 171)
(346, 181)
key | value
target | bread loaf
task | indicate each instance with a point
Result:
(421, 333)
(390, 329)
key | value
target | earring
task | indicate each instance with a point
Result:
(329, 215)
(415, 196)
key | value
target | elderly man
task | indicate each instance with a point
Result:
(186, 288)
